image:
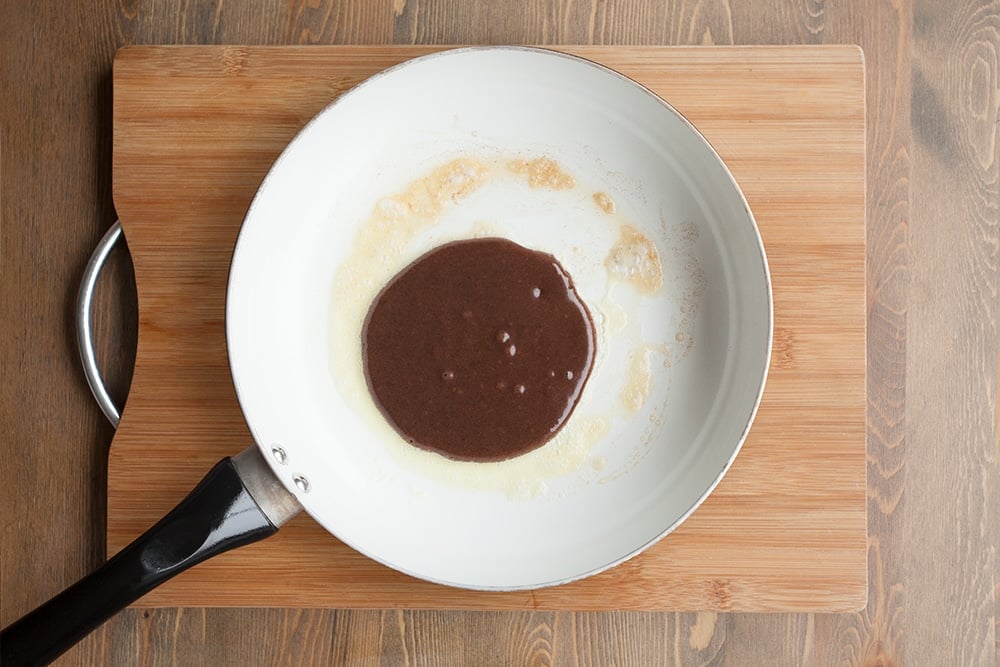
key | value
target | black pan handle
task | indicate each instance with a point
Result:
(218, 515)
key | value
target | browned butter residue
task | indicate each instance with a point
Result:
(426, 198)
(542, 172)
(634, 259)
(638, 380)
(606, 203)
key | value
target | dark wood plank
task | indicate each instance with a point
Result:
(593, 639)
(55, 182)
(772, 639)
(952, 336)
(55, 176)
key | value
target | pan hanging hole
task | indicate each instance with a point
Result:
(301, 482)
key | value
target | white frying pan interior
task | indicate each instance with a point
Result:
(680, 369)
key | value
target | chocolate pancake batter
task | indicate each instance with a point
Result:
(479, 350)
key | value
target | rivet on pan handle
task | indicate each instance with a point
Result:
(84, 337)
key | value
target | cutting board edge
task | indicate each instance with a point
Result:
(674, 49)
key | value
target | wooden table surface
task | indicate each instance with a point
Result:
(933, 99)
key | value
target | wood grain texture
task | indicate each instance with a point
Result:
(55, 129)
(55, 188)
(951, 360)
(877, 635)
(786, 528)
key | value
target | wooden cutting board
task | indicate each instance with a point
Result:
(195, 130)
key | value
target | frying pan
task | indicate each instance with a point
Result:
(555, 153)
